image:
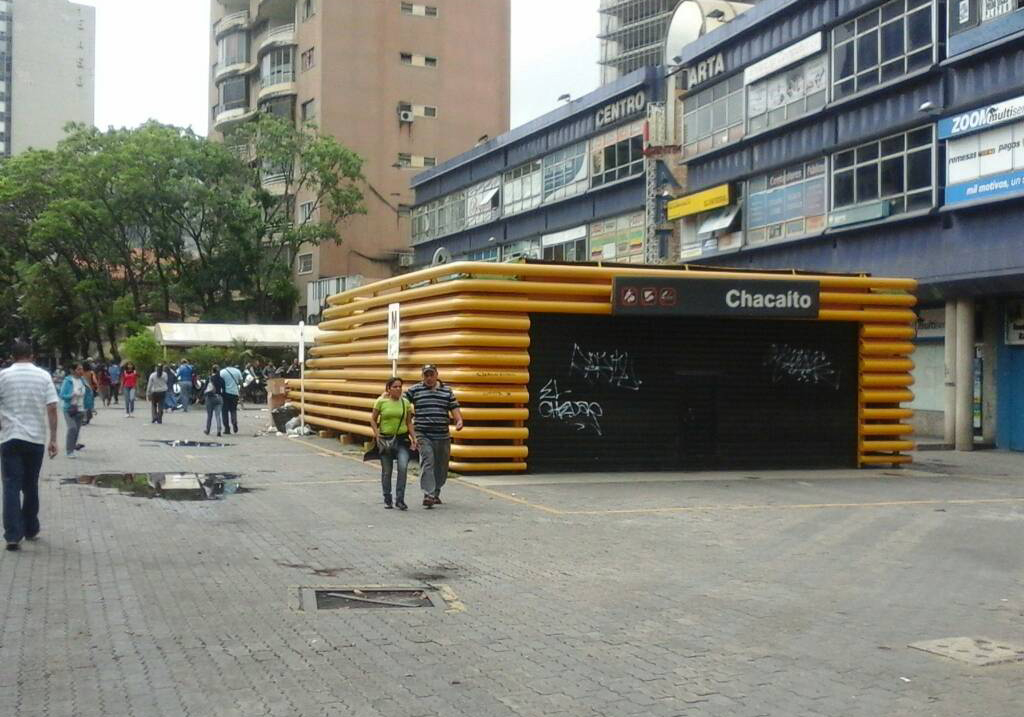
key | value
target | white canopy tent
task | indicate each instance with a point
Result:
(254, 335)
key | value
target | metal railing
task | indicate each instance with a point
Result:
(236, 18)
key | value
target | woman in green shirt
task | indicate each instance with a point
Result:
(391, 421)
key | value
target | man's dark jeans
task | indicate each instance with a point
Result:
(229, 411)
(20, 462)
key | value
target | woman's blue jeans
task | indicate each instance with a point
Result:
(387, 462)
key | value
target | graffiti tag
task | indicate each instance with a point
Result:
(811, 367)
(614, 368)
(554, 404)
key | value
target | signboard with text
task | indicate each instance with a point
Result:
(393, 335)
(659, 296)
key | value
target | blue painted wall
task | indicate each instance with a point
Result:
(1010, 380)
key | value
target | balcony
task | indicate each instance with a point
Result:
(224, 119)
(237, 68)
(231, 21)
(275, 183)
(277, 83)
(280, 36)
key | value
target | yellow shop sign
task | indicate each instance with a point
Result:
(700, 202)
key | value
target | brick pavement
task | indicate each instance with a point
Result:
(746, 594)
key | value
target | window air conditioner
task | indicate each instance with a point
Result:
(406, 116)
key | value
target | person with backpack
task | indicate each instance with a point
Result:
(211, 391)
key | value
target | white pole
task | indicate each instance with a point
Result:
(302, 375)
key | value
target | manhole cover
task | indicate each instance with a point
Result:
(977, 651)
(372, 598)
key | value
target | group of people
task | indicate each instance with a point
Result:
(218, 391)
(415, 420)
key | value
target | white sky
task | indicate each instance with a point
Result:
(152, 58)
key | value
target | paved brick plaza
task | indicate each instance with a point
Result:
(742, 594)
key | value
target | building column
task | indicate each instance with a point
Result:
(964, 375)
(949, 415)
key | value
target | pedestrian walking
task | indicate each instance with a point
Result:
(212, 393)
(114, 370)
(89, 374)
(103, 381)
(185, 374)
(232, 386)
(28, 426)
(393, 430)
(130, 381)
(75, 395)
(156, 392)
(170, 396)
(432, 401)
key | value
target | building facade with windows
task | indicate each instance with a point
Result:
(396, 82)
(571, 185)
(881, 137)
(47, 71)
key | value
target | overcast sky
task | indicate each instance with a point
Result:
(152, 58)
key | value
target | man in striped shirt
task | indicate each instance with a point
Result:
(432, 401)
(28, 402)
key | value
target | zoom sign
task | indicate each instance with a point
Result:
(782, 299)
(982, 118)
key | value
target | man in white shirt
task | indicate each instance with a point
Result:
(232, 386)
(28, 402)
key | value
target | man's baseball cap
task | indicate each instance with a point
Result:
(427, 368)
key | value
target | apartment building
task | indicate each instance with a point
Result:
(47, 71)
(404, 84)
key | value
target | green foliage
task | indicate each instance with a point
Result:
(115, 230)
(142, 350)
(203, 358)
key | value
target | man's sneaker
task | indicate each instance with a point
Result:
(400, 504)
(428, 501)
(437, 500)
(13, 546)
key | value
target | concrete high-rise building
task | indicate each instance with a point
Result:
(404, 84)
(47, 71)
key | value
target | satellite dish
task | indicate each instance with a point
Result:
(441, 256)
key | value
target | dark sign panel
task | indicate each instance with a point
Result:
(785, 298)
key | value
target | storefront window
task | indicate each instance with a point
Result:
(483, 202)
(787, 95)
(787, 203)
(617, 155)
(896, 169)
(713, 117)
(565, 173)
(487, 254)
(881, 45)
(713, 231)
(568, 245)
(619, 239)
(522, 188)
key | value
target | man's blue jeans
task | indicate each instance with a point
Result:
(20, 462)
(185, 397)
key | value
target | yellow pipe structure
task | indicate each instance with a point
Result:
(472, 319)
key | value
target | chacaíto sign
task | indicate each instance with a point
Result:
(782, 299)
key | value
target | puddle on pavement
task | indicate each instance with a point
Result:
(171, 486)
(186, 444)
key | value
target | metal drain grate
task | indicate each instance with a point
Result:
(977, 651)
(382, 597)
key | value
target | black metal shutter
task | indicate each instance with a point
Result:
(628, 393)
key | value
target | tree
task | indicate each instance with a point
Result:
(142, 350)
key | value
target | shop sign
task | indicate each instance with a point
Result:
(705, 70)
(1015, 323)
(783, 58)
(854, 215)
(931, 323)
(981, 118)
(984, 166)
(699, 202)
(657, 296)
(614, 111)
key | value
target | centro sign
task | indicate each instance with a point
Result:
(738, 298)
(625, 107)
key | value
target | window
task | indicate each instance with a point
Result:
(565, 173)
(306, 211)
(278, 67)
(406, 58)
(305, 263)
(309, 110)
(568, 245)
(409, 58)
(522, 188)
(618, 239)
(881, 45)
(430, 11)
(308, 9)
(429, 111)
(896, 169)
(234, 93)
(787, 95)
(429, 161)
(430, 61)
(404, 159)
(309, 58)
(787, 203)
(417, 110)
(966, 14)
(415, 160)
(488, 254)
(713, 117)
(450, 214)
(409, 8)
(283, 107)
(483, 202)
(233, 49)
(617, 154)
